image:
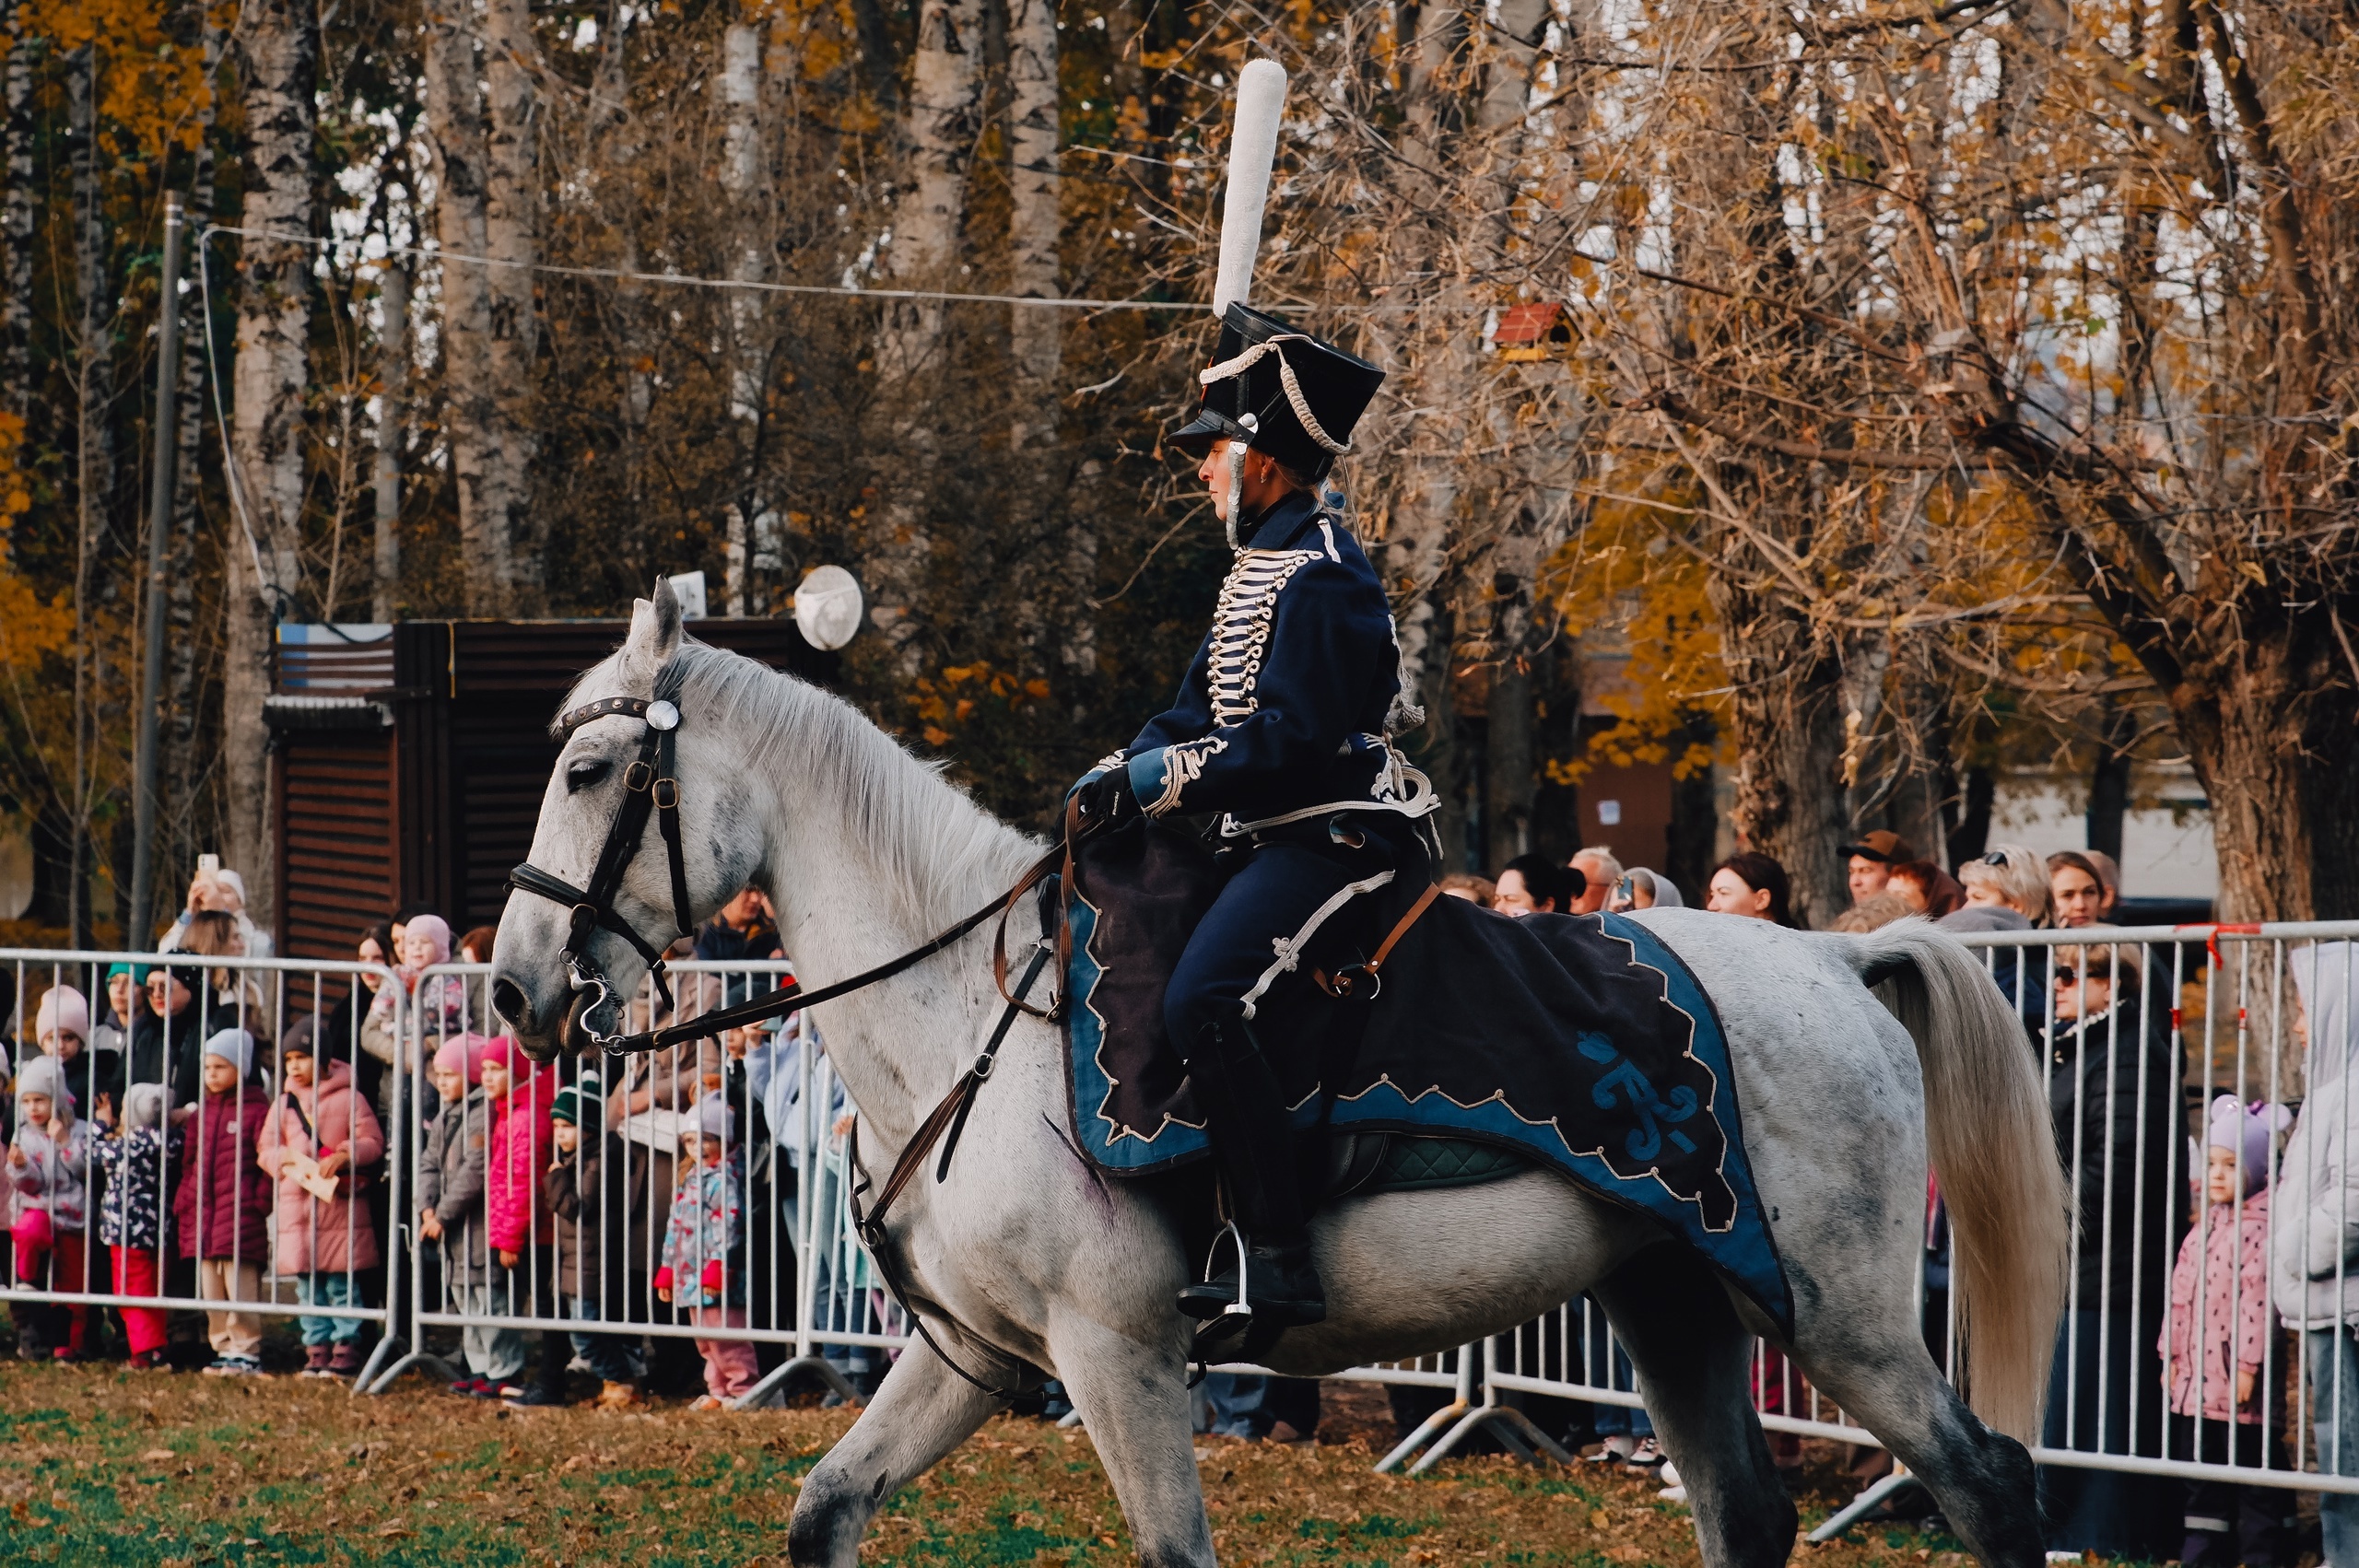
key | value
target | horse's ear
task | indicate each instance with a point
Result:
(655, 634)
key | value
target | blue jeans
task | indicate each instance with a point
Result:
(833, 1294)
(1232, 1401)
(608, 1355)
(327, 1290)
(1617, 1373)
(2334, 1415)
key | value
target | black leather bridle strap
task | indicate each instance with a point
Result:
(943, 1125)
(533, 880)
(648, 786)
(791, 997)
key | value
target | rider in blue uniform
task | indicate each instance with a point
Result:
(1283, 726)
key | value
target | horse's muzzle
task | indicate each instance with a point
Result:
(543, 1034)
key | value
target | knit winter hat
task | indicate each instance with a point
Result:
(43, 1076)
(713, 1118)
(435, 929)
(234, 1047)
(461, 1053)
(143, 1106)
(582, 1103)
(64, 1010)
(2246, 1129)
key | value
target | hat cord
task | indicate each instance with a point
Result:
(1252, 356)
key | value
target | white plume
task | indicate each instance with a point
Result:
(1252, 149)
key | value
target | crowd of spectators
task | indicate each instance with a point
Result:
(228, 1132)
(2172, 1319)
(229, 1141)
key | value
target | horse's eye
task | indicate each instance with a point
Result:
(587, 774)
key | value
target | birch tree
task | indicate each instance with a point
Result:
(392, 435)
(278, 56)
(944, 116)
(186, 772)
(1036, 220)
(745, 164)
(480, 62)
(511, 65)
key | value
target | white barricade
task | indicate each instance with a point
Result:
(2174, 1019)
(629, 1235)
(280, 1192)
(2138, 1031)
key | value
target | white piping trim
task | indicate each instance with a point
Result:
(1290, 951)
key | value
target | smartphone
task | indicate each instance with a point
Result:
(208, 864)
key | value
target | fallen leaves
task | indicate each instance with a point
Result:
(580, 1484)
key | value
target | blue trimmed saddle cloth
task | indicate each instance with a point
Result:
(1580, 1044)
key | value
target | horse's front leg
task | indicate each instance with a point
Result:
(1133, 1398)
(922, 1410)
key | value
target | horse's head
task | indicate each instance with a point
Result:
(558, 973)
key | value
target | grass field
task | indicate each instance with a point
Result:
(101, 1466)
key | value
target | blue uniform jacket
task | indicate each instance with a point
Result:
(1282, 712)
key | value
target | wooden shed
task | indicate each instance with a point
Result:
(408, 761)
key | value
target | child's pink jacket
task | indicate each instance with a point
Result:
(515, 1217)
(2232, 1251)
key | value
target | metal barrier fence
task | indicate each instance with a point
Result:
(699, 1195)
(2139, 1031)
(132, 1143)
(2171, 1359)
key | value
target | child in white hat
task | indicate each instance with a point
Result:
(704, 1258)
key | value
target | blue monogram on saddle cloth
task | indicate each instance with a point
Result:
(1578, 1042)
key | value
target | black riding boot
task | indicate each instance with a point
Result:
(1245, 1115)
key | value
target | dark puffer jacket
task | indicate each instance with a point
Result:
(225, 1197)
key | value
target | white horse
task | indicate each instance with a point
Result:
(1027, 1263)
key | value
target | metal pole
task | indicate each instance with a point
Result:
(159, 521)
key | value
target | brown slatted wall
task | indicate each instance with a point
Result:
(509, 678)
(338, 874)
(362, 836)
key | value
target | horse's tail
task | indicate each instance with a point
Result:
(1993, 1147)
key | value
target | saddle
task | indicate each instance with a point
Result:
(1475, 1047)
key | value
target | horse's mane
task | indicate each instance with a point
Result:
(936, 846)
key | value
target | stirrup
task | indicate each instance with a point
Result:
(1235, 1318)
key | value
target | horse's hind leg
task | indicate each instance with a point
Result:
(1133, 1399)
(922, 1411)
(1981, 1479)
(1673, 1316)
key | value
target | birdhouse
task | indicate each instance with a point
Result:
(1530, 334)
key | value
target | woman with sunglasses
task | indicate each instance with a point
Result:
(2113, 1075)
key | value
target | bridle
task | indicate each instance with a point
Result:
(650, 788)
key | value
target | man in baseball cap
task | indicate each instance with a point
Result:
(1872, 858)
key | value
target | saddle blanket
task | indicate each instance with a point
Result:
(1579, 1043)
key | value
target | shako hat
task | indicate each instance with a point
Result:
(1282, 392)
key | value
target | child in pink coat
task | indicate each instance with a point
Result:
(322, 1128)
(518, 1228)
(2216, 1346)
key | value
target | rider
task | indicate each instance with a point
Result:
(1282, 724)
